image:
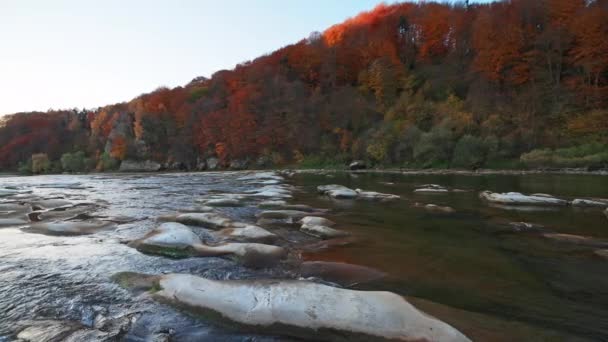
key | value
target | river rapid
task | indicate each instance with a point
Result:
(494, 272)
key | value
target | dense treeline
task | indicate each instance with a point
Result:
(409, 84)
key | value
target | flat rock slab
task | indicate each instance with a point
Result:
(305, 309)
(68, 228)
(516, 198)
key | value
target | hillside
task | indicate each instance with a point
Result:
(413, 85)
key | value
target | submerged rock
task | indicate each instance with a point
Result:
(282, 205)
(68, 228)
(139, 166)
(431, 188)
(589, 203)
(577, 239)
(602, 253)
(340, 273)
(222, 202)
(337, 191)
(314, 220)
(436, 208)
(516, 198)
(322, 232)
(305, 309)
(376, 196)
(208, 220)
(282, 214)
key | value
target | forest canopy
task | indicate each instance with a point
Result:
(408, 84)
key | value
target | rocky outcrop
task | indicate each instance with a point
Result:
(177, 240)
(304, 309)
(516, 198)
(139, 166)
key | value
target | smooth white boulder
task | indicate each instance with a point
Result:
(208, 220)
(247, 233)
(517, 198)
(578, 202)
(177, 240)
(322, 232)
(376, 196)
(171, 234)
(303, 309)
(315, 220)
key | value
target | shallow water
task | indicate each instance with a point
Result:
(467, 268)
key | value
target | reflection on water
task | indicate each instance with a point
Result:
(469, 268)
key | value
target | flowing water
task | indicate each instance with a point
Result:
(470, 268)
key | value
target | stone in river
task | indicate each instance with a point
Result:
(314, 220)
(357, 165)
(516, 198)
(303, 309)
(208, 220)
(376, 196)
(577, 239)
(589, 203)
(340, 273)
(247, 233)
(222, 202)
(282, 214)
(602, 253)
(177, 240)
(322, 232)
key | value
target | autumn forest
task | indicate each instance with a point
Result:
(511, 84)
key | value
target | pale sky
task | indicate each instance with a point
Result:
(84, 53)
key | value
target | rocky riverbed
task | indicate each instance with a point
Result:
(289, 255)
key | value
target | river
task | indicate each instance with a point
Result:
(473, 267)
